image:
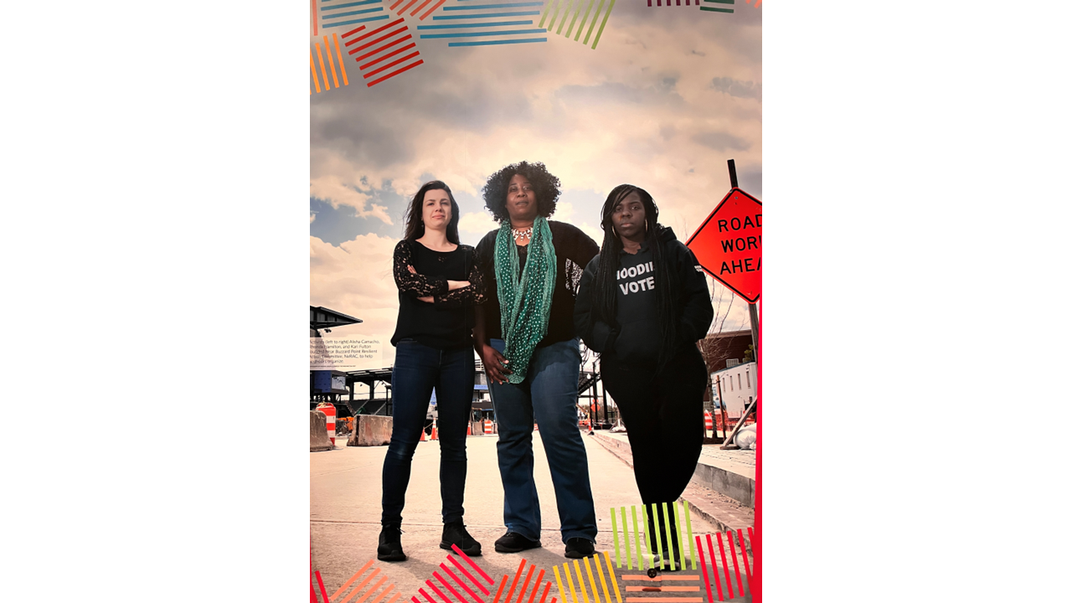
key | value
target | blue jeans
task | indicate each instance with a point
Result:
(418, 368)
(548, 396)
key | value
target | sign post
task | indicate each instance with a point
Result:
(729, 246)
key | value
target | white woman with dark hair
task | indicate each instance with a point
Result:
(438, 284)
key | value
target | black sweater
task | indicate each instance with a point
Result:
(636, 337)
(448, 322)
(573, 250)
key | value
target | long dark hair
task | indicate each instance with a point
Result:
(605, 302)
(544, 184)
(415, 222)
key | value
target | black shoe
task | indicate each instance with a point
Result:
(580, 547)
(390, 548)
(454, 533)
(512, 542)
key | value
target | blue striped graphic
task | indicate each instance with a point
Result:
(490, 42)
(524, 13)
(463, 25)
(482, 6)
(356, 12)
(363, 2)
(365, 20)
(483, 33)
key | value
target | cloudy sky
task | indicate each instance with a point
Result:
(669, 95)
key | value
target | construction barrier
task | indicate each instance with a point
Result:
(708, 422)
(329, 410)
(489, 427)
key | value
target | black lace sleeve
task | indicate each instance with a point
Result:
(473, 293)
(416, 285)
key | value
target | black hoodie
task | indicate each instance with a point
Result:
(636, 338)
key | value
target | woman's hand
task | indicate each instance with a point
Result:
(452, 285)
(428, 299)
(494, 364)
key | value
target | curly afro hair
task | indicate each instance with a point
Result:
(544, 184)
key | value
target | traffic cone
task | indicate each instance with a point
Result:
(435, 432)
(422, 436)
(469, 431)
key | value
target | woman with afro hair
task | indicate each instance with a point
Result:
(524, 335)
(643, 304)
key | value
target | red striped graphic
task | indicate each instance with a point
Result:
(460, 583)
(714, 566)
(513, 583)
(725, 566)
(371, 32)
(320, 581)
(431, 10)
(703, 565)
(545, 589)
(418, 9)
(501, 585)
(394, 73)
(380, 43)
(392, 53)
(536, 587)
(733, 555)
(352, 32)
(445, 598)
(470, 576)
(475, 566)
(744, 558)
(524, 587)
(447, 585)
(421, 590)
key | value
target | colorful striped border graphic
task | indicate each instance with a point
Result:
(654, 589)
(327, 50)
(715, 8)
(554, 7)
(375, 46)
(450, 578)
(485, 23)
(682, 522)
(401, 6)
(524, 586)
(375, 589)
(716, 575)
(599, 561)
(336, 13)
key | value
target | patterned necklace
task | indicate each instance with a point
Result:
(522, 234)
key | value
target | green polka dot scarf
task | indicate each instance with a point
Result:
(525, 304)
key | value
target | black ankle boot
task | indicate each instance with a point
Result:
(390, 548)
(454, 533)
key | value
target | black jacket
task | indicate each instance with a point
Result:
(635, 337)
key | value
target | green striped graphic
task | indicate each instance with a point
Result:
(673, 514)
(571, 12)
(718, 10)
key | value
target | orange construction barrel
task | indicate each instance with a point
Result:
(329, 409)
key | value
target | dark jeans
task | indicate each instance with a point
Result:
(663, 416)
(548, 396)
(418, 368)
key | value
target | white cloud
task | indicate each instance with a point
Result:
(477, 223)
(356, 278)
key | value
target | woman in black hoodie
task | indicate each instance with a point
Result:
(643, 303)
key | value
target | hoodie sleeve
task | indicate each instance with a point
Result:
(597, 335)
(697, 313)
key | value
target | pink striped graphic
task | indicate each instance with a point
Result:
(460, 583)
(482, 588)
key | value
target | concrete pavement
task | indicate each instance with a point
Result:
(345, 512)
